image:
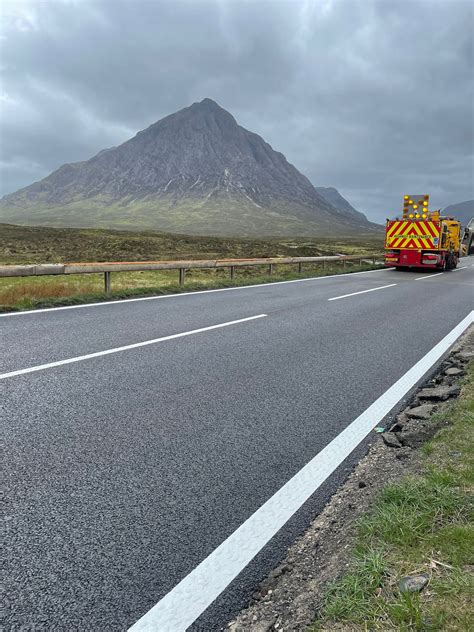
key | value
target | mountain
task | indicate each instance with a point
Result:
(463, 211)
(332, 195)
(196, 171)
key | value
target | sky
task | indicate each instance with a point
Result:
(373, 97)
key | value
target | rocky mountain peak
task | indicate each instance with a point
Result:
(194, 171)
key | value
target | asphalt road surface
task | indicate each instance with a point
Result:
(125, 470)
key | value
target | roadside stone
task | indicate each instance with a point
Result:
(454, 371)
(421, 412)
(402, 418)
(390, 439)
(465, 356)
(414, 438)
(413, 583)
(440, 393)
(397, 427)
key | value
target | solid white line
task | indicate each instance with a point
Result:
(428, 276)
(136, 345)
(461, 268)
(177, 610)
(163, 296)
(336, 298)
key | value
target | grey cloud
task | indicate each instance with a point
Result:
(371, 96)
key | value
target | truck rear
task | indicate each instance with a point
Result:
(422, 238)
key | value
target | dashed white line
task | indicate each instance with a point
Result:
(136, 345)
(428, 276)
(195, 593)
(382, 287)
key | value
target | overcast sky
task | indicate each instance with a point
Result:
(373, 97)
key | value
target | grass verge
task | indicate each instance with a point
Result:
(424, 523)
(17, 294)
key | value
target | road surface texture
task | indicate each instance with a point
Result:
(125, 470)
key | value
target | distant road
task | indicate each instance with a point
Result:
(141, 434)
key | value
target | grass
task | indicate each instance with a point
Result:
(18, 293)
(424, 523)
(27, 244)
(20, 244)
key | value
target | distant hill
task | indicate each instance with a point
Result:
(463, 211)
(197, 172)
(332, 195)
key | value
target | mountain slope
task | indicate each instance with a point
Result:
(196, 171)
(463, 211)
(332, 195)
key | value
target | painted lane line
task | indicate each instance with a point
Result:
(428, 276)
(136, 345)
(336, 298)
(461, 268)
(177, 610)
(156, 298)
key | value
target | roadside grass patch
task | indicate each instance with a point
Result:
(422, 524)
(18, 293)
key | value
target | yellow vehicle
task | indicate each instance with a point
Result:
(422, 238)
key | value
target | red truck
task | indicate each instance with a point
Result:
(422, 238)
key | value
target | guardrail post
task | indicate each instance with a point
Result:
(360, 262)
(232, 272)
(373, 260)
(300, 267)
(107, 282)
(343, 263)
(324, 264)
(270, 269)
(182, 275)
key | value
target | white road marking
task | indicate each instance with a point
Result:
(163, 296)
(457, 269)
(177, 610)
(136, 345)
(428, 276)
(382, 287)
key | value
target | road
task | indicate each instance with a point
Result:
(127, 469)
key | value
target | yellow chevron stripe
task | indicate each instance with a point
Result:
(424, 231)
(393, 228)
(404, 228)
(419, 229)
(435, 228)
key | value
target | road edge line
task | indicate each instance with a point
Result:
(187, 601)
